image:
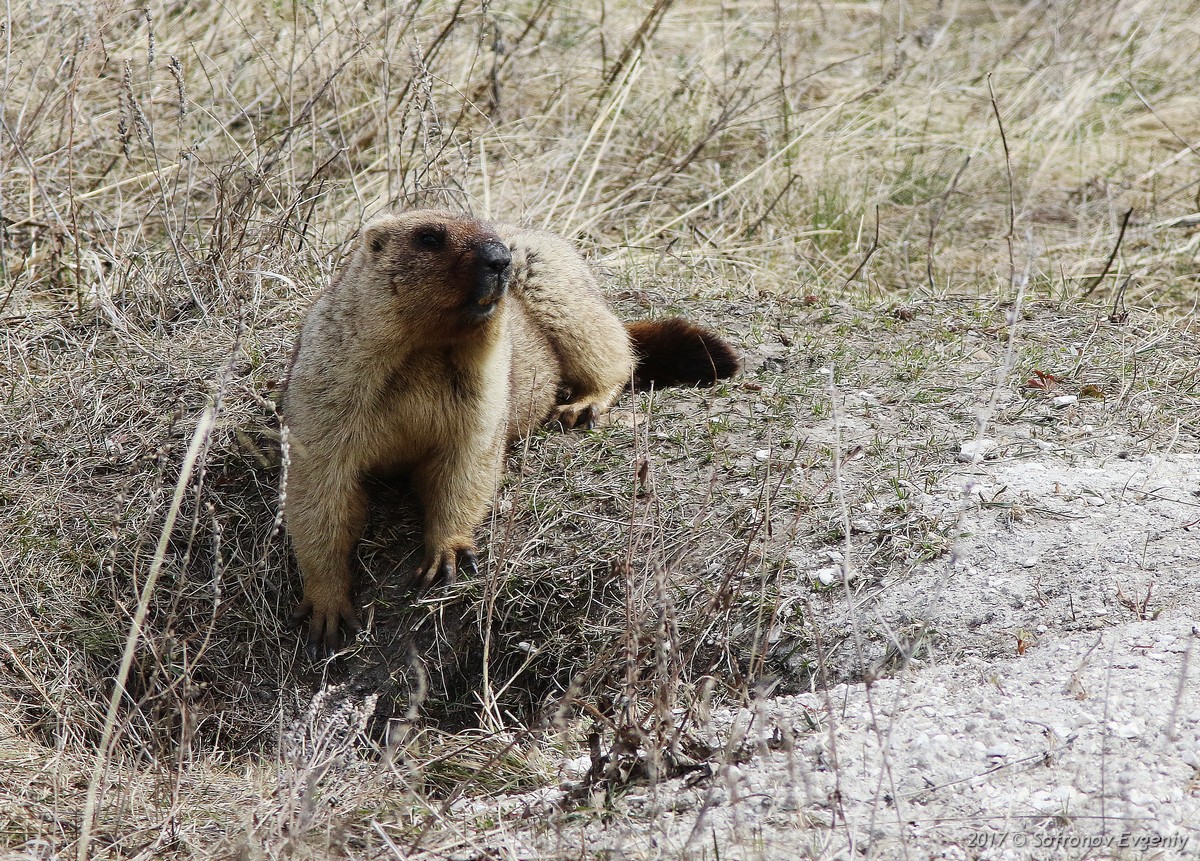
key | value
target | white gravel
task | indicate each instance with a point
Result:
(1057, 714)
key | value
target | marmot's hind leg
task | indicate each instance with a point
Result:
(559, 292)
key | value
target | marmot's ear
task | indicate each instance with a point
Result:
(375, 238)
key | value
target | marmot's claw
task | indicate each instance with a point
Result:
(575, 416)
(325, 624)
(444, 566)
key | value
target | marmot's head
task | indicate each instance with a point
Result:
(435, 272)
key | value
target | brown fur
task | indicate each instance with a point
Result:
(442, 339)
(674, 352)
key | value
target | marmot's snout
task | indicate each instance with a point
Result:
(493, 265)
(494, 255)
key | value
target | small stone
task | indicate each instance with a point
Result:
(977, 450)
(577, 768)
(1141, 799)
(762, 454)
(1064, 400)
(1133, 729)
(1030, 562)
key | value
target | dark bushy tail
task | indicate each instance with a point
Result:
(674, 352)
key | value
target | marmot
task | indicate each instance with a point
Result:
(443, 339)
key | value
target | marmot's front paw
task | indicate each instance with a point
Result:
(326, 615)
(572, 416)
(444, 564)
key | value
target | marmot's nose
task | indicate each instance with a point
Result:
(494, 255)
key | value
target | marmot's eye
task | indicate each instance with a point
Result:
(431, 239)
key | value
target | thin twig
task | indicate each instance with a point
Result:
(199, 439)
(1116, 315)
(1010, 237)
(938, 211)
(1116, 247)
(874, 247)
(641, 38)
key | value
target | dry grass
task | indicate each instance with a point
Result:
(177, 180)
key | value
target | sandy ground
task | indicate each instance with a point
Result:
(1055, 715)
